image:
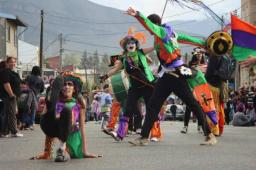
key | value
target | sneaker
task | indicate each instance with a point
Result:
(199, 129)
(115, 136)
(184, 130)
(4, 136)
(107, 131)
(17, 135)
(138, 131)
(31, 128)
(139, 141)
(62, 156)
(129, 133)
(210, 140)
(154, 139)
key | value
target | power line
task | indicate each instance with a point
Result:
(53, 41)
(92, 44)
(86, 21)
(183, 13)
(115, 33)
(69, 25)
(78, 51)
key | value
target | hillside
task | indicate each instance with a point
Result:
(85, 25)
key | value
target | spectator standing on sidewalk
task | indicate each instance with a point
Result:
(88, 106)
(10, 91)
(36, 84)
(3, 119)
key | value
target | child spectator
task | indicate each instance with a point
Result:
(25, 103)
(96, 104)
(106, 102)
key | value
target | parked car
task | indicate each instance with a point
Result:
(180, 112)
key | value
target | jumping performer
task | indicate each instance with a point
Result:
(173, 74)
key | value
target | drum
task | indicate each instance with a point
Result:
(219, 43)
(119, 85)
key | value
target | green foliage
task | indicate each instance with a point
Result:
(71, 59)
(104, 65)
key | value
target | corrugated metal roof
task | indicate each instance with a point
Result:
(14, 18)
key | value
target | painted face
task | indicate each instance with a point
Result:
(131, 46)
(68, 89)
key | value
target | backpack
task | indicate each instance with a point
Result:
(226, 69)
(23, 105)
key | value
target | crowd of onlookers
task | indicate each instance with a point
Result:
(239, 109)
(19, 101)
(241, 106)
(18, 98)
(100, 107)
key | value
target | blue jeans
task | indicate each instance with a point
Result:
(34, 106)
(88, 115)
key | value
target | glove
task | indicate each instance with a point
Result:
(103, 78)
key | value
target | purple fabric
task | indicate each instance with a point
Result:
(212, 115)
(175, 64)
(169, 32)
(240, 107)
(244, 39)
(123, 126)
(130, 62)
(59, 108)
(75, 111)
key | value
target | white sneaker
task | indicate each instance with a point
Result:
(199, 129)
(139, 141)
(4, 136)
(17, 135)
(184, 130)
(209, 140)
(138, 131)
(115, 136)
(154, 139)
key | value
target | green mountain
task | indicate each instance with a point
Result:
(85, 25)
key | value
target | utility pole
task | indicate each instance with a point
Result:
(222, 23)
(61, 50)
(41, 41)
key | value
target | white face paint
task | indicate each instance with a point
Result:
(131, 46)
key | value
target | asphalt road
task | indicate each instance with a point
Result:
(236, 150)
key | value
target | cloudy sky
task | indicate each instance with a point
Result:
(173, 11)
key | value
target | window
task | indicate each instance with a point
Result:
(8, 33)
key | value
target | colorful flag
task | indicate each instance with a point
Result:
(244, 38)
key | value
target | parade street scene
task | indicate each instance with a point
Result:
(128, 84)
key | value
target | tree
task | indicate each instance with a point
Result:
(96, 61)
(104, 64)
(71, 59)
(84, 64)
(84, 60)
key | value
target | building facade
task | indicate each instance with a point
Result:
(8, 35)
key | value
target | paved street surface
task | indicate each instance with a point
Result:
(236, 150)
